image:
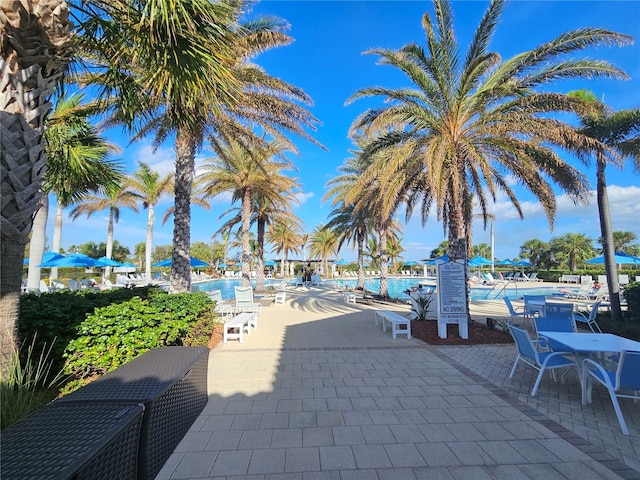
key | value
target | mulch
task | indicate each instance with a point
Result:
(427, 331)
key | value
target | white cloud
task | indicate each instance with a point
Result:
(303, 197)
(161, 160)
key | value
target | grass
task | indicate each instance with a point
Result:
(27, 384)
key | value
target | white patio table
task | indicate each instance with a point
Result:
(587, 344)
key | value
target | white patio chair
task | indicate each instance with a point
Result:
(244, 300)
(222, 308)
(541, 361)
(623, 382)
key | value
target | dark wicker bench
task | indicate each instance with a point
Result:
(92, 441)
(171, 383)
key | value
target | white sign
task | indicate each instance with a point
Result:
(452, 303)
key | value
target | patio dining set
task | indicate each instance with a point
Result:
(600, 358)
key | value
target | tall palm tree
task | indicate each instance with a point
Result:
(351, 224)
(572, 249)
(77, 163)
(286, 238)
(352, 228)
(113, 198)
(249, 176)
(198, 84)
(620, 131)
(536, 251)
(37, 41)
(148, 187)
(324, 244)
(468, 119)
(622, 240)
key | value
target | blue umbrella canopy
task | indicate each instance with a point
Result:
(342, 261)
(524, 263)
(72, 260)
(479, 261)
(506, 263)
(109, 262)
(432, 261)
(222, 265)
(620, 258)
(411, 263)
(195, 262)
(269, 263)
(46, 257)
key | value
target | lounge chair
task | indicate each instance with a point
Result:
(299, 281)
(623, 382)
(44, 288)
(244, 300)
(541, 361)
(221, 308)
(583, 292)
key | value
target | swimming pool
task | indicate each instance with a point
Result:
(397, 286)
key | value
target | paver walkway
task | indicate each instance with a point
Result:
(318, 392)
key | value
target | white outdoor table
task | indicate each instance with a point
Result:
(592, 342)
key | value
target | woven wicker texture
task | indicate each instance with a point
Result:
(172, 384)
(73, 441)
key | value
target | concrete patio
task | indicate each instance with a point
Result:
(318, 392)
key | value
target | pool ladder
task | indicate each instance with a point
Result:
(504, 285)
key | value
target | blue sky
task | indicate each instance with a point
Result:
(327, 61)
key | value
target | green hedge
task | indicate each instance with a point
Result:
(117, 333)
(53, 318)
(632, 295)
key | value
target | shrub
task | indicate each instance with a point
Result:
(116, 334)
(55, 317)
(632, 295)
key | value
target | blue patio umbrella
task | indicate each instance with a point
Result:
(432, 261)
(620, 258)
(411, 263)
(524, 263)
(45, 257)
(72, 260)
(506, 263)
(342, 261)
(479, 261)
(195, 262)
(222, 265)
(269, 263)
(109, 262)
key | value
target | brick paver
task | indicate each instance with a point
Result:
(318, 392)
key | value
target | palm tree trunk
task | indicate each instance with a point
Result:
(384, 260)
(360, 285)
(57, 237)
(180, 261)
(608, 247)
(246, 225)
(109, 250)
(260, 272)
(36, 246)
(149, 245)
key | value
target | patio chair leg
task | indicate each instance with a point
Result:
(616, 407)
(537, 384)
(515, 364)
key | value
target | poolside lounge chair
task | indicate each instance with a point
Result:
(44, 288)
(299, 281)
(541, 361)
(583, 292)
(244, 300)
(221, 308)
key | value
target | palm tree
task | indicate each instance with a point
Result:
(147, 186)
(324, 244)
(395, 249)
(621, 240)
(619, 131)
(351, 224)
(32, 61)
(198, 84)
(469, 119)
(76, 164)
(354, 229)
(286, 238)
(247, 175)
(571, 249)
(113, 198)
(536, 251)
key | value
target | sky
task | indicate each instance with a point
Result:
(326, 60)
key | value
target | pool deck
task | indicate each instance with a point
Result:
(317, 391)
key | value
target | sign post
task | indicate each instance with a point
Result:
(452, 305)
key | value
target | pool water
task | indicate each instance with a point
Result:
(397, 286)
